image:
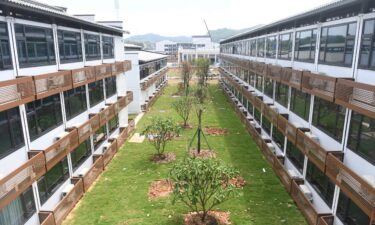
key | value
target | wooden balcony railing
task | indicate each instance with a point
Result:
(46, 218)
(109, 151)
(267, 152)
(52, 83)
(103, 71)
(68, 202)
(104, 115)
(326, 220)
(287, 129)
(127, 65)
(151, 80)
(93, 173)
(356, 96)
(307, 208)
(111, 111)
(258, 102)
(261, 69)
(16, 92)
(88, 128)
(291, 77)
(274, 72)
(361, 192)
(283, 174)
(319, 85)
(83, 76)
(270, 113)
(20, 179)
(58, 150)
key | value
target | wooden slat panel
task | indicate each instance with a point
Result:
(127, 65)
(326, 220)
(88, 128)
(258, 102)
(261, 69)
(292, 77)
(274, 72)
(356, 96)
(16, 92)
(353, 185)
(304, 204)
(83, 76)
(287, 128)
(103, 71)
(52, 83)
(58, 150)
(95, 170)
(20, 179)
(151, 80)
(319, 85)
(68, 202)
(109, 153)
(267, 152)
(283, 175)
(270, 113)
(46, 218)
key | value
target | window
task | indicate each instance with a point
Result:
(271, 47)
(253, 47)
(349, 213)
(266, 124)
(250, 108)
(295, 156)
(268, 87)
(282, 94)
(20, 210)
(260, 47)
(321, 183)
(70, 46)
(108, 47)
(52, 180)
(92, 47)
(278, 138)
(305, 45)
(43, 115)
(300, 103)
(11, 137)
(259, 82)
(6, 58)
(329, 117)
(257, 115)
(110, 86)
(34, 46)
(100, 136)
(75, 101)
(285, 46)
(360, 137)
(337, 44)
(113, 124)
(96, 92)
(367, 55)
(80, 154)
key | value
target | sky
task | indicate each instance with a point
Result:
(185, 18)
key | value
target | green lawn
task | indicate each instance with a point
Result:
(120, 195)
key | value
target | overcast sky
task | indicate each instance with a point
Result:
(185, 17)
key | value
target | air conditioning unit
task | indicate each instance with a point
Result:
(61, 135)
(312, 136)
(105, 147)
(306, 191)
(83, 172)
(272, 148)
(369, 178)
(252, 123)
(293, 174)
(249, 118)
(66, 190)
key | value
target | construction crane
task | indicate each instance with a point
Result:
(208, 30)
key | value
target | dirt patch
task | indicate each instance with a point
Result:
(164, 158)
(204, 154)
(188, 126)
(213, 131)
(160, 188)
(238, 182)
(213, 218)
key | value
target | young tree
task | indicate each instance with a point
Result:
(202, 70)
(183, 108)
(202, 184)
(187, 73)
(159, 132)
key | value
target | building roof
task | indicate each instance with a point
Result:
(326, 10)
(145, 56)
(56, 11)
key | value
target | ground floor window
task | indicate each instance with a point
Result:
(113, 124)
(349, 213)
(282, 94)
(266, 124)
(257, 115)
(250, 108)
(80, 154)
(278, 138)
(300, 103)
(295, 156)
(100, 136)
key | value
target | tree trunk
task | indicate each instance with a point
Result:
(204, 215)
(199, 130)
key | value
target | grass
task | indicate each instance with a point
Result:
(120, 195)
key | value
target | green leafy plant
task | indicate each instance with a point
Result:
(202, 69)
(202, 184)
(183, 107)
(159, 132)
(187, 73)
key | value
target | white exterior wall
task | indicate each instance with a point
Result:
(133, 83)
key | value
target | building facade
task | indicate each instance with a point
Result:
(63, 106)
(305, 86)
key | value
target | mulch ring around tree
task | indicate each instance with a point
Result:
(213, 131)
(238, 182)
(204, 154)
(160, 188)
(188, 126)
(163, 158)
(213, 218)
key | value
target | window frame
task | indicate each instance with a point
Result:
(290, 46)
(89, 43)
(68, 105)
(63, 44)
(4, 39)
(372, 47)
(312, 45)
(108, 42)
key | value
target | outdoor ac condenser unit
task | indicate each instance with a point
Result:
(306, 191)
(66, 190)
(272, 148)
